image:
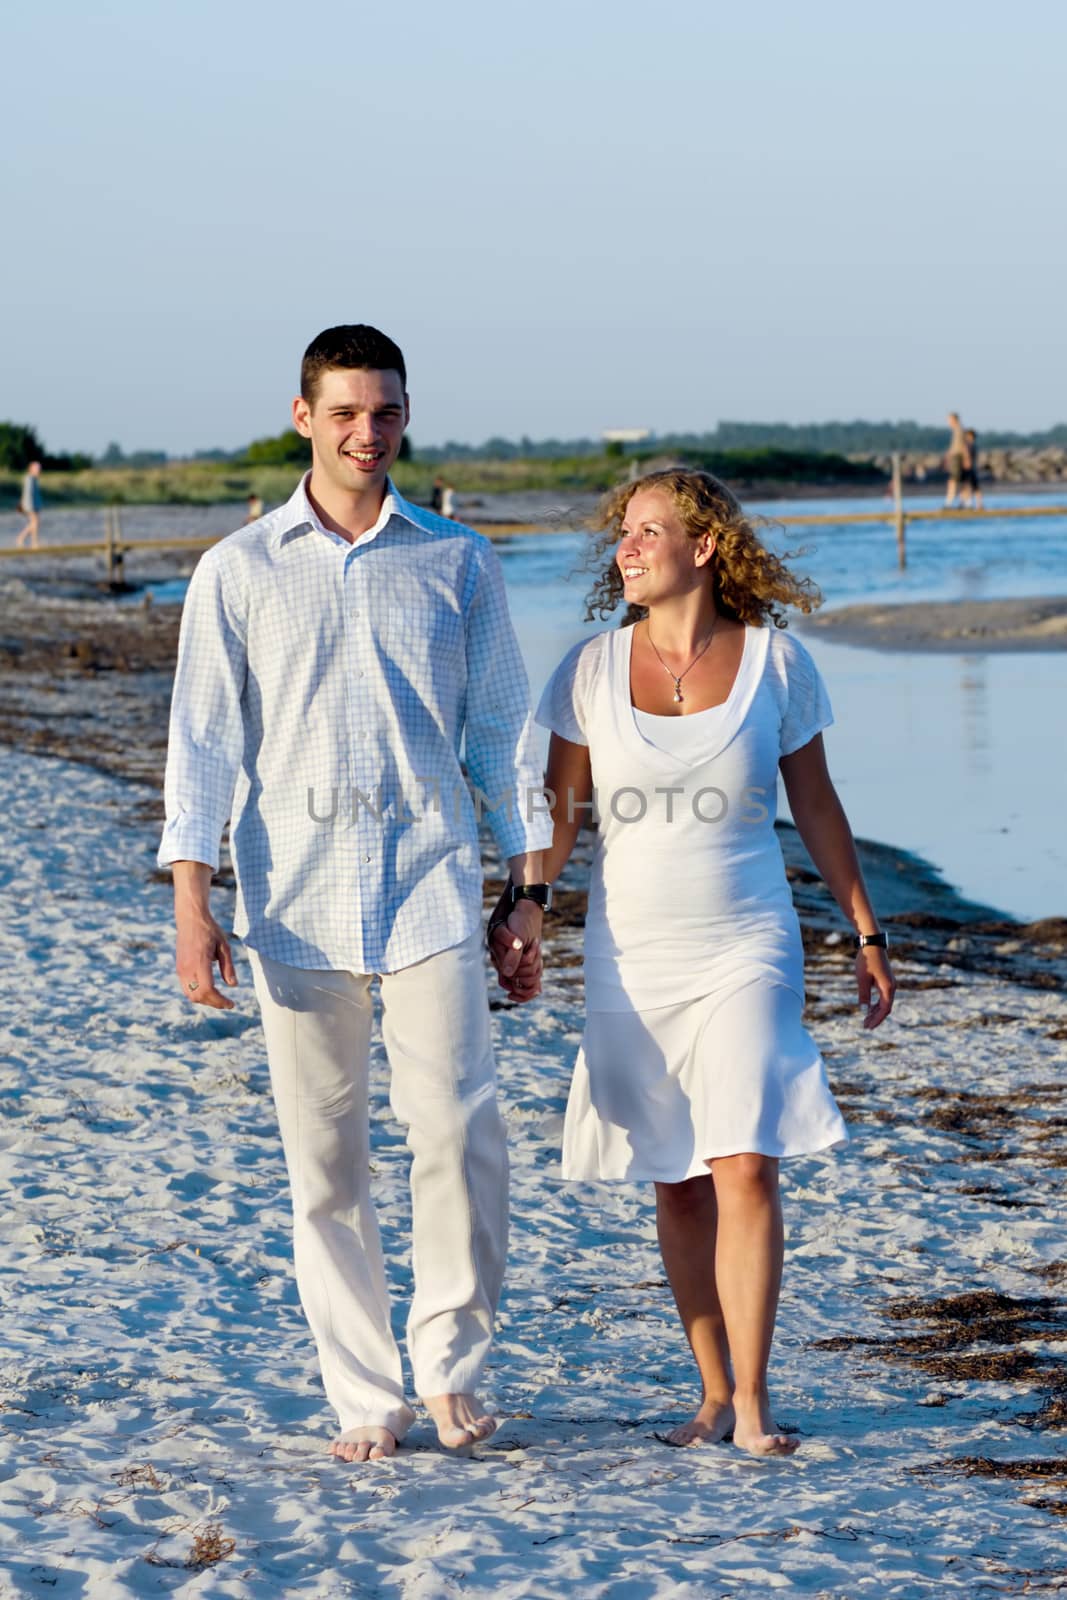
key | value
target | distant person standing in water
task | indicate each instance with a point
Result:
(972, 493)
(955, 458)
(30, 506)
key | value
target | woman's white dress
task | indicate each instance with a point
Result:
(694, 968)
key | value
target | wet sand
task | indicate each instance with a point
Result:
(956, 626)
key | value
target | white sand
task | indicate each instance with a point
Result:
(159, 1386)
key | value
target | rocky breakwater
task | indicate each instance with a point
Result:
(1047, 464)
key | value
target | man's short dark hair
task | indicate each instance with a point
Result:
(352, 345)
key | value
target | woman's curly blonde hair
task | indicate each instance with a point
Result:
(750, 583)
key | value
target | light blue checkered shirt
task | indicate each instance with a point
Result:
(322, 694)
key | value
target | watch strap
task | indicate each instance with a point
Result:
(539, 893)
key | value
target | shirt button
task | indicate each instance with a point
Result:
(366, 861)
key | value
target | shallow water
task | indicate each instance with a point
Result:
(958, 758)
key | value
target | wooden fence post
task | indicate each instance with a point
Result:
(109, 546)
(118, 575)
(898, 512)
(113, 552)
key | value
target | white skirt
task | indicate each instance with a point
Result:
(657, 1094)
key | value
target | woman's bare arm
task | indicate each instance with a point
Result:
(569, 781)
(821, 822)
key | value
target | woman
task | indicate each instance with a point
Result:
(695, 1070)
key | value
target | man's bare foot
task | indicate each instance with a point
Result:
(461, 1420)
(754, 1429)
(711, 1425)
(364, 1444)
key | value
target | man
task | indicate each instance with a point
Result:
(333, 656)
(956, 459)
(30, 506)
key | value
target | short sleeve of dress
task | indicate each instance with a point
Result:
(564, 706)
(804, 701)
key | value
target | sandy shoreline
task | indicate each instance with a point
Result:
(164, 1424)
(164, 1421)
(956, 626)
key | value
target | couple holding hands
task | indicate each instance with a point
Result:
(350, 643)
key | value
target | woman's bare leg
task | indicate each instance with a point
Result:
(686, 1217)
(748, 1271)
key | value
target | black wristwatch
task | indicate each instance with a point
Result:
(880, 939)
(539, 893)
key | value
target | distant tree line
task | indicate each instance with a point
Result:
(865, 438)
(19, 445)
(840, 438)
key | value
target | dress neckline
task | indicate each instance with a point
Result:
(719, 730)
(694, 716)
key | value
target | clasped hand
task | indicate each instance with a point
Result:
(515, 949)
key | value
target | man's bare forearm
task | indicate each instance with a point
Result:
(192, 887)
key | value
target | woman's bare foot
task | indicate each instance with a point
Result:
(461, 1420)
(364, 1444)
(711, 1425)
(754, 1429)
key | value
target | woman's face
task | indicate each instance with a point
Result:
(656, 556)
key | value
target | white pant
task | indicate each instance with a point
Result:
(435, 1023)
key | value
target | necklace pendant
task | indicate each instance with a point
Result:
(678, 694)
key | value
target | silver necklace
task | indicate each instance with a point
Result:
(676, 677)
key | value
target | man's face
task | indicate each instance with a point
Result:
(355, 425)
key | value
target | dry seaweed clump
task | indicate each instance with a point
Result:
(1051, 1472)
(210, 1546)
(985, 1315)
(977, 1338)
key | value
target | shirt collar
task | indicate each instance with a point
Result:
(298, 515)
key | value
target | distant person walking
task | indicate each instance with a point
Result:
(255, 509)
(448, 501)
(437, 496)
(972, 493)
(955, 458)
(30, 506)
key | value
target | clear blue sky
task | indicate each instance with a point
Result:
(571, 216)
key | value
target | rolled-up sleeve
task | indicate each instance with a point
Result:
(501, 746)
(206, 742)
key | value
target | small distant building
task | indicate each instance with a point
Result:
(626, 435)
